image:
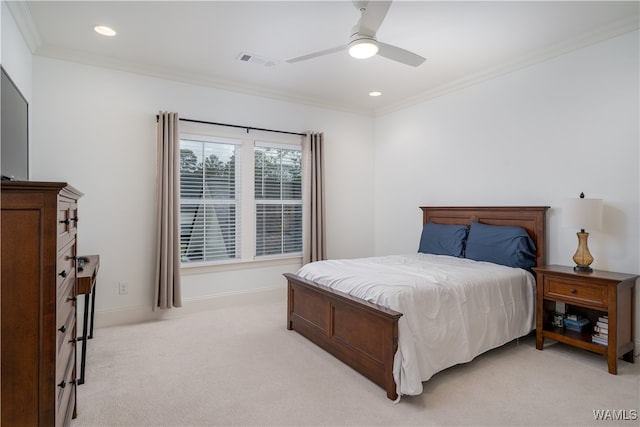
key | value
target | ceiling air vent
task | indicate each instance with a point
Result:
(255, 59)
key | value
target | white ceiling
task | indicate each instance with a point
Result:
(200, 42)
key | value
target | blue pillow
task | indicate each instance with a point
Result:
(443, 239)
(500, 244)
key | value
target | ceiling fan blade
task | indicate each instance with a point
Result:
(317, 54)
(373, 14)
(400, 55)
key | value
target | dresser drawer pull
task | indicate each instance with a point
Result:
(63, 273)
(67, 221)
(72, 299)
(73, 340)
(62, 329)
(62, 384)
(573, 291)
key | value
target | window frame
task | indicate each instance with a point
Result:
(245, 191)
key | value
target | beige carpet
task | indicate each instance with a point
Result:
(240, 366)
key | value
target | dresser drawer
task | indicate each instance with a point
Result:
(66, 310)
(66, 334)
(67, 221)
(66, 265)
(65, 356)
(576, 292)
(65, 406)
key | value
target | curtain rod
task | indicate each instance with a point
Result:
(248, 128)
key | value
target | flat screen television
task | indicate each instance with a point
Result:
(14, 131)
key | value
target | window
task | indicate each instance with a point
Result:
(208, 201)
(278, 196)
(240, 199)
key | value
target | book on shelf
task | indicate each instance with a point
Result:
(600, 339)
(602, 325)
(600, 330)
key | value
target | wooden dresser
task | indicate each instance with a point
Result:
(38, 302)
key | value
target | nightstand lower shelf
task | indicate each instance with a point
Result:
(576, 339)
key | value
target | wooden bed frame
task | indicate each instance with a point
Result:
(365, 335)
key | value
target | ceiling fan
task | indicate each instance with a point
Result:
(363, 43)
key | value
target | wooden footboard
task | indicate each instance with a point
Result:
(361, 334)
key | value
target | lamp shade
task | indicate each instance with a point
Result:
(582, 213)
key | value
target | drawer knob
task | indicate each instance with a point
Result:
(63, 273)
(62, 329)
(72, 299)
(62, 384)
(73, 340)
(65, 221)
(573, 291)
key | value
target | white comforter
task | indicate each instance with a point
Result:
(453, 308)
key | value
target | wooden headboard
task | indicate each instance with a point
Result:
(531, 218)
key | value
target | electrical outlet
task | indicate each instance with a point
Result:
(123, 288)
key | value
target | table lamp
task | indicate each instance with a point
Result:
(584, 214)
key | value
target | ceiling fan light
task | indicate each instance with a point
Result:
(363, 48)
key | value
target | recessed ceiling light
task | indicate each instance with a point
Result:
(105, 31)
(375, 93)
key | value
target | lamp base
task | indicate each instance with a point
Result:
(582, 257)
(583, 269)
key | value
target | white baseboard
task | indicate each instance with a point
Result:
(131, 315)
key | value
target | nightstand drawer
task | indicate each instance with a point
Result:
(576, 292)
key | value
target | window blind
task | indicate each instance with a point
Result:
(278, 198)
(209, 197)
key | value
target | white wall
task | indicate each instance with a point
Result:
(15, 55)
(95, 128)
(532, 137)
(16, 59)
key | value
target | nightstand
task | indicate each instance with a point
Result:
(590, 295)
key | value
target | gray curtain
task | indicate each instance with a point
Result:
(167, 278)
(314, 229)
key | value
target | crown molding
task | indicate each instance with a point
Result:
(182, 76)
(618, 28)
(22, 16)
